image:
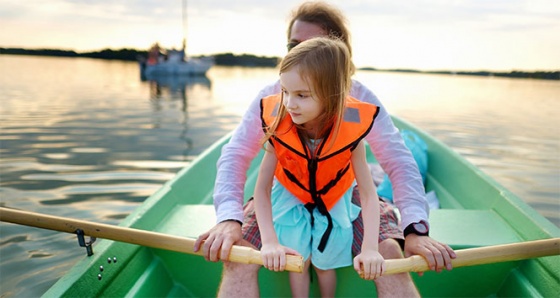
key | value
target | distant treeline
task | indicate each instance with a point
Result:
(122, 54)
(542, 75)
(246, 60)
(228, 59)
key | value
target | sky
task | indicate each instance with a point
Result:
(471, 35)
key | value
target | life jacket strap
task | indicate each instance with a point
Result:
(327, 233)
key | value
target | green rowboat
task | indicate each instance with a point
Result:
(475, 212)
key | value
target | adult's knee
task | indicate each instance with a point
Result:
(390, 249)
(239, 280)
(233, 269)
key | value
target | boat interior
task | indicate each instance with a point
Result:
(473, 213)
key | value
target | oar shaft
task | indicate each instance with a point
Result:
(238, 254)
(241, 254)
(481, 255)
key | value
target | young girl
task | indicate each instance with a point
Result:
(314, 156)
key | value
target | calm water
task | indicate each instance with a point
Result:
(88, 139)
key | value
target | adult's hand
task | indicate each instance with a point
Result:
(437, 254)
(219, 240)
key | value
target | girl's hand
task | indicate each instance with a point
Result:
(369, 264)
(274, 256)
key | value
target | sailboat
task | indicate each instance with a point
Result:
(174, 62)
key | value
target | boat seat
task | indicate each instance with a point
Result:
(188, 220)
(464, 228)
(459, 228)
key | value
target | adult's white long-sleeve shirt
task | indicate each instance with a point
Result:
(384, 139)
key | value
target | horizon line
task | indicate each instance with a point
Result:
(371, 68)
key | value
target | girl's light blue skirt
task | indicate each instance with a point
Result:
(292, 223)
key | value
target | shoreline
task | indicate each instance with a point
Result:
(224, 59)
(249, 60)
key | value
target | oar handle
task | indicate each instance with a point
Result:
(238, 254)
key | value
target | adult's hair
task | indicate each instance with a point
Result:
(324, 64)
(326, 16)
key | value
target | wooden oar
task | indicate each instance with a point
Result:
(481, 255)
(238, 254)
(241, 254)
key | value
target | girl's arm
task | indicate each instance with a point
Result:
(263, 187)
(369, 261)
(273, 254)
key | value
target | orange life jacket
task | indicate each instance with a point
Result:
(320, 181)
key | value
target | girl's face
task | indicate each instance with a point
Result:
(299, 99)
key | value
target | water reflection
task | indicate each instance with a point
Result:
(168, 89)
(175, 86)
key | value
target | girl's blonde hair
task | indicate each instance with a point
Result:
(325, 65)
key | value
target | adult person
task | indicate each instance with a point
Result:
(312, 19)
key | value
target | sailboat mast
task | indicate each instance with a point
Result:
(185, 24)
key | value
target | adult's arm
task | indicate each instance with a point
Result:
(408, 189)
(232, 165)
(396, 160)
(235, 160)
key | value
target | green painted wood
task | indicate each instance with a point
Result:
(464, 228)
(477, 211)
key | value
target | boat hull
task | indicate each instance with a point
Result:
(192, 67)
(476, 211)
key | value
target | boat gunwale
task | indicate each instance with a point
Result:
(137, 218)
